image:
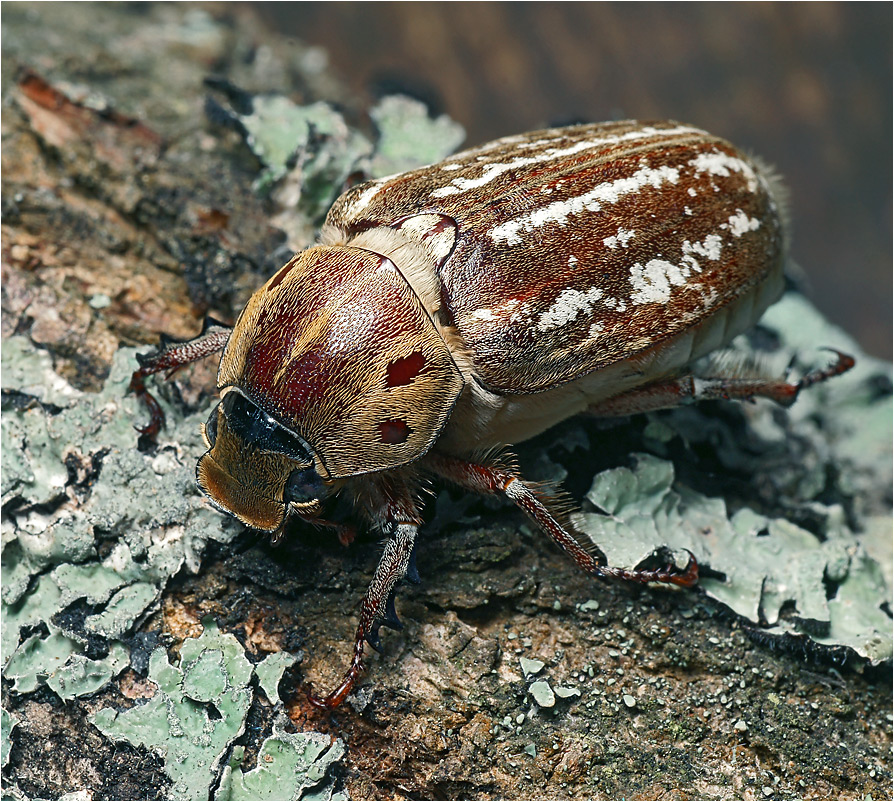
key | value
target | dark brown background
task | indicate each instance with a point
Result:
(807, 86)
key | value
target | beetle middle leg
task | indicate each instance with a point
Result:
(492, 479)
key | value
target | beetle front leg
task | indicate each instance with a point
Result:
(171, 356)
(492, 479)
(392, 508)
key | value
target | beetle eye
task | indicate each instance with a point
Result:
(211, 427)
(302, 486)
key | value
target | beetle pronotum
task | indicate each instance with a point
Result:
(454, 310)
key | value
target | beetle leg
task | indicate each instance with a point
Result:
(391, 505)
(675, 392)
(171, 356)
(490, 479)
(377, 609)
(412, 571)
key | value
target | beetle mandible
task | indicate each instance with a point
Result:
(457, 309)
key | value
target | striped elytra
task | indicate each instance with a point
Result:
(564, 238)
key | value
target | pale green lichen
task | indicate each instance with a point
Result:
(312, 144)
(36, 658)
(197, 712)
(276, 128)
(29, 370)
(530, 667)
(316, 143)
(122, 609)
(408, 137)
(542, 693)
(289, 766)
(147, 505)
(855, 613)
(309, 152)
(269, 672)
(766, 563)
(200, 709)
(8, 722)
(81, 676)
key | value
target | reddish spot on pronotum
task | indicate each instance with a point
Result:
(403, 371)
(393, 432)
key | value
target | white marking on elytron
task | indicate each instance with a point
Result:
(710, 248)
(623, 236)
(719, 163)
(537, 143)
(567, 306)
(452, 166)
(516, 141)
(422, 226)
(572, 260)
(363, 199)
(654, 283)
(709, 294)
(596, 328)
(740, 223)
(504, 310)
(614, 303)
(496, 169)
(687, 211)
(692, 192)
(494, 145)
(559, 211)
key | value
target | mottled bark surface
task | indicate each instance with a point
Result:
(127, 213)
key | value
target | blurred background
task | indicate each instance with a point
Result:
(807, 86)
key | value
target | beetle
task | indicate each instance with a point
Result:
(451, 311)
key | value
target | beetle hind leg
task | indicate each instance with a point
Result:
(685, 389)
(491, 479)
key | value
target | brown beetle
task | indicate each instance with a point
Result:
(456, 309)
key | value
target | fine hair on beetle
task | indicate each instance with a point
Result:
(453, 311)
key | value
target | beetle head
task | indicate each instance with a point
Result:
(255, 468)
(338, 348)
